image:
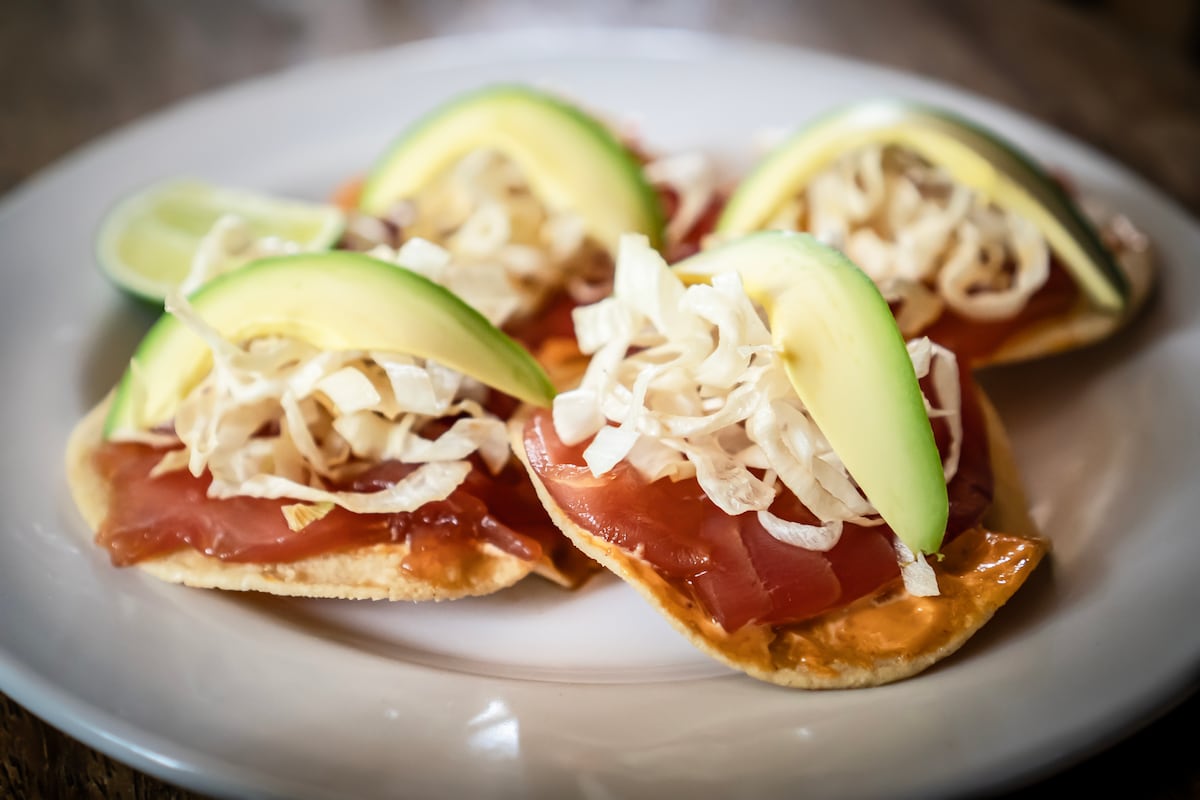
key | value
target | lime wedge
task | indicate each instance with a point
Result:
(147, 241)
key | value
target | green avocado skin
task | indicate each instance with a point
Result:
(335, 301)
(849, 365)
(572, 160)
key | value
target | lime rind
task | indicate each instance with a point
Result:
(147, 240)
(571, 160)
(971, 154)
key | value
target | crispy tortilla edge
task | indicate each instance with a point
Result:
(1084, 324)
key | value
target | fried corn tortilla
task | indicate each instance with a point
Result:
(372, 572)
(883, 637)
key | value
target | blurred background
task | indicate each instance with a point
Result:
(1121, 75)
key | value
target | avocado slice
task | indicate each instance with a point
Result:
(571, 160)
(336, 301)
(971, 155)
(848, 363)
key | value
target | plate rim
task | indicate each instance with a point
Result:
(181, 765)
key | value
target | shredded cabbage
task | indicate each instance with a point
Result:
(481, 232)
(929, 243)
(820, 538)
(300, 515)
(684, 382)
(919, 578)
(693, 178)
(278, 418)
(229, 244)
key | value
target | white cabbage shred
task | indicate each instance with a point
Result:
(478, 230)
(229, 244)
(927, 242)
(919, 578)
(684, 382)
(693, 178)
(498, 247)
(278, 418)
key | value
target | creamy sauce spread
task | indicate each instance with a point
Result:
(981, 569)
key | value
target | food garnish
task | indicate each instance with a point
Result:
(179, 233)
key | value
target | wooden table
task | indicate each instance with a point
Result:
(72, 70)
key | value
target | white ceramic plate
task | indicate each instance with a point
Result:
(534, 691)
